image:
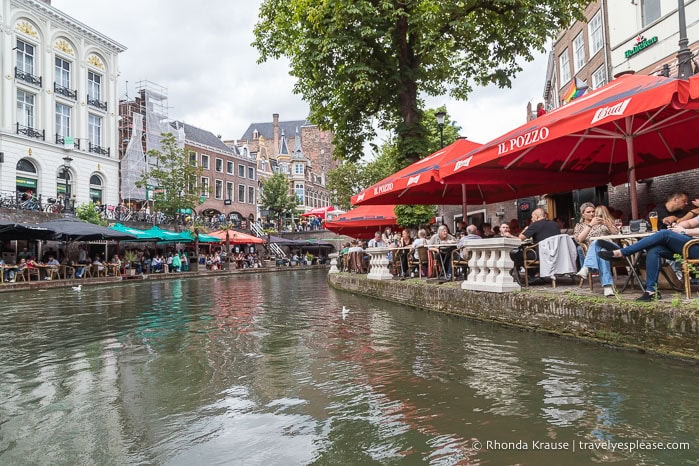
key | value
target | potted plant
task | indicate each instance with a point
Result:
(131, 259)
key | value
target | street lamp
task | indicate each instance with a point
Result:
(440, 122)
(684, 55)
(67, 160)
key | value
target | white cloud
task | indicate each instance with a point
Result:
(201, 53)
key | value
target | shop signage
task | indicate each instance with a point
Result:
(26, 182)
(641, 44)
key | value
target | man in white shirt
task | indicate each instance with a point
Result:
(376, 241)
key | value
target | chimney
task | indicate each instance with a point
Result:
(275, 124)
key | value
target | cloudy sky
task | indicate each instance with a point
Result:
(201, 53)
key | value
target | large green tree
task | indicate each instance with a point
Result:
(173, 178)
(276, 198)
(371, 60)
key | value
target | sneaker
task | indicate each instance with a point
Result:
(609, 291)
(582, 273)
(648, 297)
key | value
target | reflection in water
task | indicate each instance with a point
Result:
(262, 369)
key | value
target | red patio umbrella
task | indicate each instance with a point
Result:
(236, 237)
(363, 221)
(418, 183)
(318, 212)
(634, 127)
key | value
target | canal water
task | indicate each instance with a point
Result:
(263, 370)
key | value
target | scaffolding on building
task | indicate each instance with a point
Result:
(144, 121)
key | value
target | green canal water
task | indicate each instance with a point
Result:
(263, 370)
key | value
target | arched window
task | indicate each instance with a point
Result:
(96, 186)
(26, 179)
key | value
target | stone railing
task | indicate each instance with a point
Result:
(378, 264)
(333, 262)
(490, 265)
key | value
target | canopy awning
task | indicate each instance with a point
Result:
(76, 230)
(236, 237)
(363, 221)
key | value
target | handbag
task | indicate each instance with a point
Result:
(635, 225)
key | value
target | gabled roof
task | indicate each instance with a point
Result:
(202, 136)
(267, 129)
(283, 145)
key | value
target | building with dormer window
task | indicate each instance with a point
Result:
(59, 102)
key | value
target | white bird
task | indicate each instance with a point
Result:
(77, 288)
(345, 312)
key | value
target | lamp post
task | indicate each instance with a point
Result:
(440, 122)
(67, 160)
(684, 55)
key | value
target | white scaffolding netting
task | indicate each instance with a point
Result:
(133, 165)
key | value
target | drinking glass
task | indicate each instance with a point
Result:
(643, 227)
(618, 223)
(626, 230)
(653, 217)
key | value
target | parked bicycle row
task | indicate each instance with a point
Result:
(28, 200)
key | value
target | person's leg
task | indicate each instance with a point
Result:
(654, 258)
(668, 238)
(592, 261)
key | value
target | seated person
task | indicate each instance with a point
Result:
(184, 262)
(663, 244)
(376, 241)
(672, 210)
(486, 228)
(8, 275)
(78, 268)
(471, 234)
(540, 229)
(504, 231)
(443, 236)
(595, 222)
(52, 262)
(156, 265)
(98, 264)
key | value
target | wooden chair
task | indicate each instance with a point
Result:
(22, 275)
(423, 259)
(67, 271)
(33, 273)
(87, 271)
(689, 268)
(53, 272)
(356, 262)
(530, 253)
(584, 247)
(460, 263)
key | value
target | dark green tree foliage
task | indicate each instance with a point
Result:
(174, 178)
(276, 198)
(415, 216)
(372, 59)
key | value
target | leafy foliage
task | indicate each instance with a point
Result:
(367, 59)
(415, 216)
(174, 178)
(89, 213)
(276, 198)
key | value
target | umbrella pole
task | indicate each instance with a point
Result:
(632, 170)
(464, 205)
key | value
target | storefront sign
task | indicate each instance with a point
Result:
(641, 44)
(26, 182)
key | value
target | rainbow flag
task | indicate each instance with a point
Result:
(576, 89)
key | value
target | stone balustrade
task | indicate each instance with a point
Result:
(333, 262)
(378, 264)
(490, 265)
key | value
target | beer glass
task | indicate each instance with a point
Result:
(653, 218)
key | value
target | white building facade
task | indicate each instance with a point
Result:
(58, 106)
(644, 35)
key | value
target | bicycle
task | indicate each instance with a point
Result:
(54, 206)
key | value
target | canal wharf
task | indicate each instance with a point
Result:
(666, 327)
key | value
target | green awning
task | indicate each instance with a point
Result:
(141, 235)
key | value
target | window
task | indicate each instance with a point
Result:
(218, 189)
(94, 130)
(263, 165)
(204, 186)
(594, 33)
(298, 168)
(193, 158)
(241, 171)
(62, 72)
(298, 190)
(219, 165)
(96, 189)
(204, 162)
(62, 120)
(230, 168)
(578, 52)
(599, 77)
(241, 193)
(229, 191)
(251, 195)
(94, 86)
(25, 108)
(564, 65)
(650, 11)
(25, 57)
(251, 173)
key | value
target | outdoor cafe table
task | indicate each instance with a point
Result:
(440, 250)
(633, 261)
